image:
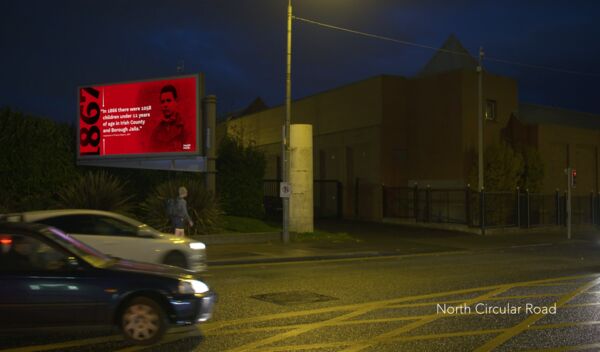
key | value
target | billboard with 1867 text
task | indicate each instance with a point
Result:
(157, 117)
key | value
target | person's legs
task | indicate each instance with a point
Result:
(179, 232)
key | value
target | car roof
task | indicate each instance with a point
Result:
(43, 214)
(21, 227)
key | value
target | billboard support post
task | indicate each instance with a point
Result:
(210, 118)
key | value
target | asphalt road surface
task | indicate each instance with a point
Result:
(523, 298)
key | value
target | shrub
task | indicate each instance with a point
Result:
(241, 170)
(202, 207)
(36, 156)
(532, 177)
(95, 190)
(502, 168)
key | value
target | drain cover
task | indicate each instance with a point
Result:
(293, 297)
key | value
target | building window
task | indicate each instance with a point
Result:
(490, 110)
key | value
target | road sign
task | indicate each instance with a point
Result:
(285, 189)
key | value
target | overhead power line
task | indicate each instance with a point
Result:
(560, 70)
(378, 36)
(404, 42)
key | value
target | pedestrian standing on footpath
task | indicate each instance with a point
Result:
(180, 214)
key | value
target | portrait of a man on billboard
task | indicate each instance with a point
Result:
(171, 134)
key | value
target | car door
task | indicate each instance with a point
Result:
(107, 234)
(39, 288)
(118, 238)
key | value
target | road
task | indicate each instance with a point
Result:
(391, 303)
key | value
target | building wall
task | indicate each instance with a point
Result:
(435, 130)
(504, 91)
(395, 132)
(346, 133)
(430, 126)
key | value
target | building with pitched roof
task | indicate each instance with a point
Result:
(399, 131)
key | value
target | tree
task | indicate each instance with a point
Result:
(503, 168)
(532, 176)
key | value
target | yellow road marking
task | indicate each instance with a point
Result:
(522, 326)
(406, 328)
(355, 310)
(301, 330)
(225, 331)
(296, 326)
(207, 327)
(431, 337)
(376, 305)
(367, 341)
(556, 284)
(339, 344)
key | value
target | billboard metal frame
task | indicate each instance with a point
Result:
(154, 160)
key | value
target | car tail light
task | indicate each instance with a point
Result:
(7, 241)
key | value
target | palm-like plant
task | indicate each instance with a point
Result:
(96, 190)
(202, 207)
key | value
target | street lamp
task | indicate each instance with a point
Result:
(480, 118)
(285, 165)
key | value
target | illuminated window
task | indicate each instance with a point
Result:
(490, 110)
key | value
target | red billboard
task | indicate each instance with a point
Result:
(155, 117)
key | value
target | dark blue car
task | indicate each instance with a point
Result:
(50, 279)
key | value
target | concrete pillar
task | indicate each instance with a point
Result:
(301, 179)
(209, 148)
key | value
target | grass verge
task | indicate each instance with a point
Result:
(334, 237)
(246, 225)
(237, 224)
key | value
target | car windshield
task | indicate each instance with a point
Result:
(140, 225)
(85, 252)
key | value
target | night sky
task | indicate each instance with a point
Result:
(48, 48)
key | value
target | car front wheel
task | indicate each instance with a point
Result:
(143, 321)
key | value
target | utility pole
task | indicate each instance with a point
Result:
(480, 117)
(569, 172)
(286, 130)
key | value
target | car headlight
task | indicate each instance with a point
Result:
(192, 287)
(197, 245)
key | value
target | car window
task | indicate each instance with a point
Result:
(91, 225)
(85, 252)
(80, 224)
(25, 253)
(104, 225)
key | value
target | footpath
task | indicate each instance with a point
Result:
(376, 239)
